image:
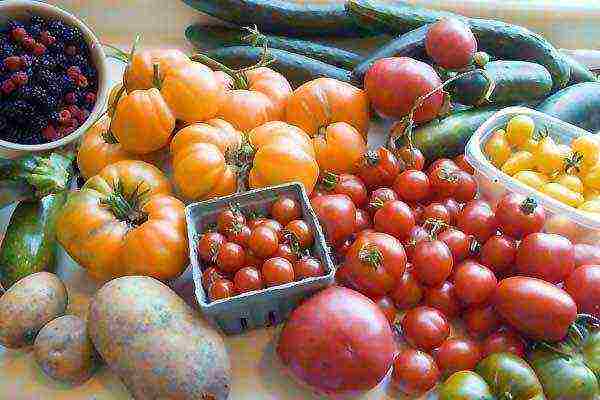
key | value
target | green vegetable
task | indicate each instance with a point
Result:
(465, 385)
(283, 16)
(502, 40)
(296, 68)
(29, 244)
(218, 36)
(502, 82)
(509, 377)
(578, 105)
(579, 72)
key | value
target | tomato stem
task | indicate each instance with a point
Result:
(528, 205)
(371, 255)
(125, 207)
(371, 158)
(329, 180)
(156, 76)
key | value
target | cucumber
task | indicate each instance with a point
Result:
(579, 72)
(447, 137)
(29, 245)
(410, 44)
(578, 105)
(509, 82)
(283, 16)
(502, 40)
(221, 36)
(296, 68)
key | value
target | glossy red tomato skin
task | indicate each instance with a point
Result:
(315, 340)
(277, 271)
(301, 232)
(378, 168)
(458, 243)
(504, 341)
(417, 234)
(450, 43)
(221, 289)
(453, 208)
(477, 219)
(285, 251)
(394, 84)
(534, 307)
(248, 279)
(481, 321)
(437, 211)
(386, 305)
(518, 216)
(443, 180)
(474, 283)
(457, 354)
(412, 185)
(413, 158)
(415, 372)
(285, 210)
(408, 292)
(363, 220)
(425, 328)
(254, 222)
(463, 164)
(263, 241)
(308, 267)
(275, 226)
(337, 214)
(379, 197)
(466, 187)
(584, 287)
(231, 257)
(443, 298)
(498, 254)
(240, 234)
(228, 218)
(586, 254)
(209, 245)
(394, 218)
(546, 256)
(442, 163)
(252, 260)
(417, 213)
(353, 187)
(209, 275)
(432, 262)
(379, 278)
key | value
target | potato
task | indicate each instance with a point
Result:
(156, 344)
(64, 351)
(29, 305)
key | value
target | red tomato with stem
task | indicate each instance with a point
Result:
(458, 354)
(415, 372)
(209, 275)
(519, 216)
(229, 217)
(412, 185)
(379, 197)
(466, 186)
(363, 220)
(239, 234)
(301, 233)
(417, 233)
(425, 328)
(443, 298)
(231, 257)
(220, 289)
(443, 181)
(432, 262)
(408, 292)
(546, 256)
(413, 158)
(308, 267)
(337, 214)
(287, 252)
(248, 279)
(378, 168)
(481, 321)
(477, 219)
(395, 218)
(438, 212)
(386, 305)
(584, 286)
(451, 43)
(209, 245)
(277, 271)
(263, 241)
(255, 221)
(504, 341)
(350, 185)
(458, 243)
(443, 163)
(275, 226)
(498, 253)
(474, 283)
(286, 209)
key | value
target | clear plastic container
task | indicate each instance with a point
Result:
(269, 306)
(493, 183)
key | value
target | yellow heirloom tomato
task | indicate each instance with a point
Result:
(531, 146)
(563, 194)
(592, 177)
(571, 182)
(588, 147)
(497, 148)
(548, 157)
(531, 178)
(519, 161)
(519, 130)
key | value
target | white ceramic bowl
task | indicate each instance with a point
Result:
(21, 9)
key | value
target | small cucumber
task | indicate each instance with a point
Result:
(217, 36)
(579, 72)
(296, 68)
(283, 16)
(507, 82)
(578, 105)
(29, 245)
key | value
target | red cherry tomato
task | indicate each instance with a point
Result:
(343, 248)
(481, 321)
(453, 208)
(413, 158)
(463, 164)
(376, 261)
(498, 253)
(363, 220)
(248, 279)
(437, 211)
(256, 221)
(417, 233)
(545, 256)
(412, 185)
(395, 218)
(231, 257)
(286, 209)
(239, 234)
(519, 216)
(417, 212)
(415, 372)
(252, 260)
(584, 286)
(432, 262)
(425, 328)
(337, 214)
(408, 292)
(450, 43)
(457, 354)
(220, 289)
(301, 233)
(443, 298)
(209, 245)
(275, 226)
(285, 251)
(378, 168)
(505, 341)
(443, 181)
(209, 275)
(308, 267)
(386, 305)
(478, 219)
(347, 184)
(229, 217)
(466, 186)
(474, 283)
(443, 163)
(263, 241)
(379, 197)
(277, 271)
(458, 243)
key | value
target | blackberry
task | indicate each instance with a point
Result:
(54, 116)
(37, 20)
(35, 30)
(45, 77)
(56, 47)
(49, 103)
(72, 35)
(38, 122)
(78, 60)
(56, 27)
(3, 123)
(13, 24)
(11, 134)
(7, 49)
(66, 84)
(62, 61)
(53, 90)
(20, 111)
(29, 136)
(32, 94)
(47, 61)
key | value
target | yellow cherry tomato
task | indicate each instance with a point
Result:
(591, 194)
(592, 177)
(571, 182)
(519, 130)
(497, 148)
(531, 178)
(591, 206)
(519, 161)
(531, 146)
(589, 147)
(563, 194)
(548, 158)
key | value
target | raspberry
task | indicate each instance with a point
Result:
(90, 98)
(71, 50)
(47, 39)
(66, 130)
(83, 116)
(50, 133)
(64, 117)
(39, 49)
(13, 63)
(74, 110)
(18, 34)
(71, 98)
(74, 122)
(82, 81)
(73, 72)
(20, 78)
(8, 87)
(28, 43)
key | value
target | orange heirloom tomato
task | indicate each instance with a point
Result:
(339, 147)
(200, 168)
(143, 122)
(323, 101)
(124, 221)
(139, 74)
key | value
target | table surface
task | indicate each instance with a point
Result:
(256, 372)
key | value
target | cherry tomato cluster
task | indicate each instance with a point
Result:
(244, 254)
(420, 241)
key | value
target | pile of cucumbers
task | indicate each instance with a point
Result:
(526, 68)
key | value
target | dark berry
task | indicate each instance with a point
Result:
(7, 50)
(39, 49)
(38, 122)
(13, 24)
(27, 61)
(90, 98)
(34, 30)
(71, 98)
(54, 117)
(11, 134)
(21, 111)
(47, 39)
(13, 63)
(67, 84)
(47, 61)
(36, 20)
(3, 123)
(19, 78)
(71, 35)
(61, 60)
(71, 50)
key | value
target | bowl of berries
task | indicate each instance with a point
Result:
(53, 78)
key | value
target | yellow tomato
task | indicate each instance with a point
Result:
(563, 194)
(531, 146)
(589, 147)
(548, 158)
(571, 182)
(591, 194)
(591, 206)
(519, 161)
(497, 148)
(519, 130)
(592, 177)
(531, 178)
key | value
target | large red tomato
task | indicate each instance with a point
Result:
(546, 256)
